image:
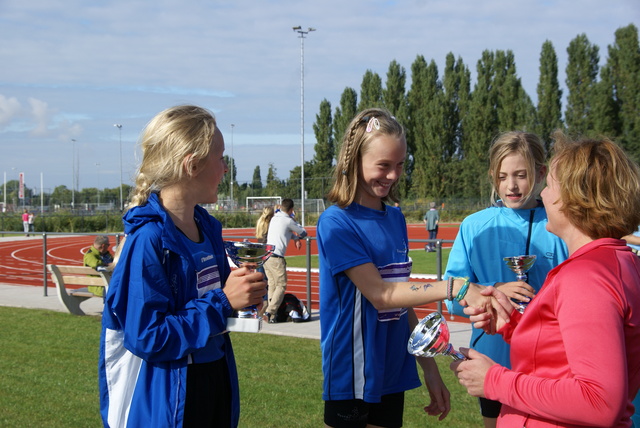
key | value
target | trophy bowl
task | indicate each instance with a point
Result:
(520, 265)
(431, 337)
(241, 252)
(248, 252)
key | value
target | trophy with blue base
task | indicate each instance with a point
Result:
(431, 337)
(240, 252)
(520, 265)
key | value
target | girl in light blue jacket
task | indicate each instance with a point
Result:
(514, 225)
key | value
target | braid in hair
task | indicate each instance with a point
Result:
(348, 148)
(140, 193)
(363, 127)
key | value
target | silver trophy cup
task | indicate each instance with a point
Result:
(241, 252)
(431, 338)
(520, 265)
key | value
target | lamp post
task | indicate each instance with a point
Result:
(302, 33)
(117, 125)
(73, 179)
(98, 170)
(231, 176)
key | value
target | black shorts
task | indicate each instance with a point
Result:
(490, 408)
(357, 413)
(208, 400)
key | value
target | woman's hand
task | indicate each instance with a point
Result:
(488, 319)
(487, 300)
(245, 287)
(472, 372)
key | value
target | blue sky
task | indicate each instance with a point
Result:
(73, 69)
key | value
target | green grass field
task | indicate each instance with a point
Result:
(48, 362)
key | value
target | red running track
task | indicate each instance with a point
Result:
(21, 261)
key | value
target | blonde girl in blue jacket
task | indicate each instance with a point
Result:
(165, 358)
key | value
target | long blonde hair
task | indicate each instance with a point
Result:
(524, 144)
(166, 141)
(354, 144)
(262, 226)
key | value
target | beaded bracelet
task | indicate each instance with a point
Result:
(463, 290)
(450, 288)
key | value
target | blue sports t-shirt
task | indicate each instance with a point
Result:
(364, 351)
(208, 278)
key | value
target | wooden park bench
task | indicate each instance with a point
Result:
(83, 276)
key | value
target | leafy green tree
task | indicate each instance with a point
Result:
(605, 110)
(624, 66)
(427, 127)
(481, 127)
(582, 70)
(415, 124)
(12, 187)
(457, 93)
(549, 109)
(224, 186)
(393, 95)
(514, 107)
(370, 91)
(324, 149)
(256, 183)
(61, 195)
(395, 100)
(342, 116)
(274, 184)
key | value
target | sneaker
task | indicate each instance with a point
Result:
(267, 317)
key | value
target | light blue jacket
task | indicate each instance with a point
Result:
(153, 322)
(484, 239)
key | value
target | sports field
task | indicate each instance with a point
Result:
(21, 259)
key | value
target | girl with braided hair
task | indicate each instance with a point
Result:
(165, 358)
(366, 298)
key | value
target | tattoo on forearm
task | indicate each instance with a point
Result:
(417, 287)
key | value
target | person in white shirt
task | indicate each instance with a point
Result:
(282, 229)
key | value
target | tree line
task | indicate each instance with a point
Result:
(450, 125)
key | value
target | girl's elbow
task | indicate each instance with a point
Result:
(380, 302)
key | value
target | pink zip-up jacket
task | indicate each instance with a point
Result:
(575, 352)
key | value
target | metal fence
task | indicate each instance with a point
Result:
(437, 242)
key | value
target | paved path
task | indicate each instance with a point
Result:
(24, 296)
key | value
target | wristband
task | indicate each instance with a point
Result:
(450, 288)
(463, 290)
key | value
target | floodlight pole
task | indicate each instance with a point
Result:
(302, 33)
(119, 126)
(98, 169)
(231, 172)
(73, 179)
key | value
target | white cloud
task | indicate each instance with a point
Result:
(40, 115)
(9, 108)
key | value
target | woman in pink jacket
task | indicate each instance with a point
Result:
(575, 351)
